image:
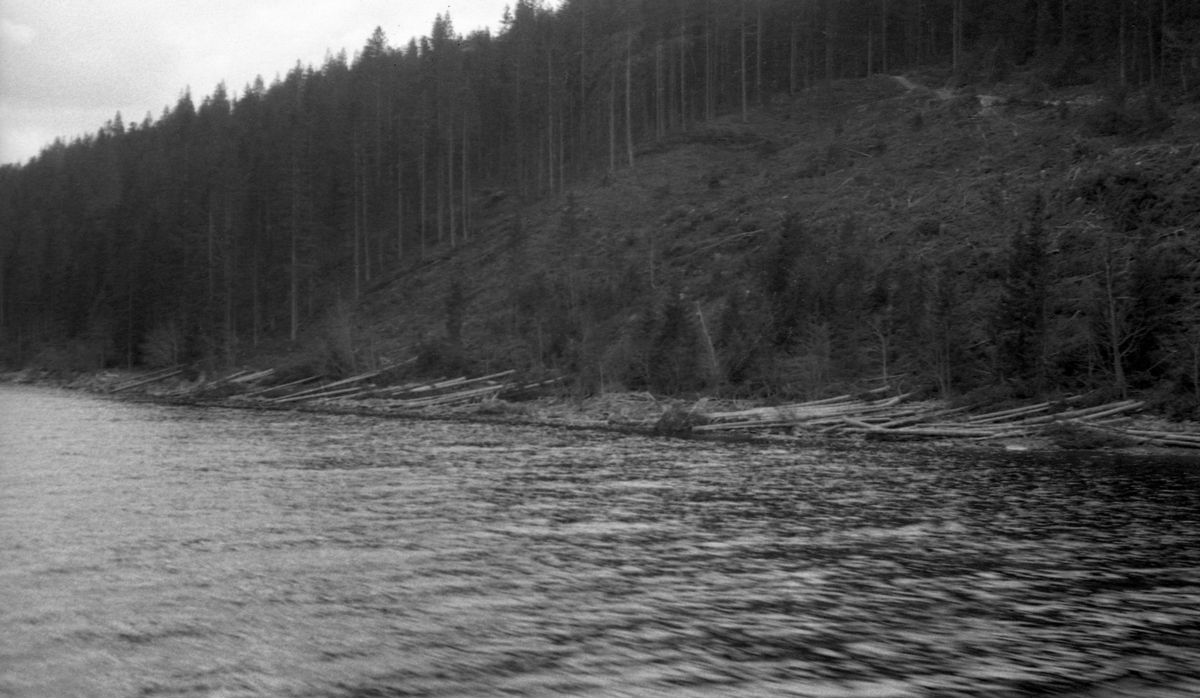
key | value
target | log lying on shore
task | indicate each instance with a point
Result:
(815, 413)
(154, 377)
(891, 418)
(273, 388)
(327, 390)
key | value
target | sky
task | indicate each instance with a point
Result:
(68, 66)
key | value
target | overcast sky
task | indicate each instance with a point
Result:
(68, 66)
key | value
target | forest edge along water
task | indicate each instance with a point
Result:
(1081, 422)
(152, 549)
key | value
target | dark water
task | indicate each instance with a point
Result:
(149, 551)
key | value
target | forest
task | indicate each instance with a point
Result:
(242, 221)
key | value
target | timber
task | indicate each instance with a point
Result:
(873, 416)
(146, 380)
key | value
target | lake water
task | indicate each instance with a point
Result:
(168, 551)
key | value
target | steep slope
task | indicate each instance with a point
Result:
(859, 231)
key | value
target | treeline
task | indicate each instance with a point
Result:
(222, 224)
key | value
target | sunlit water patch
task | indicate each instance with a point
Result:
(148, 550)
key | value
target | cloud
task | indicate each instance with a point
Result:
(67, 66)
(21, 34)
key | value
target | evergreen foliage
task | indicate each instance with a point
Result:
(1021, 318)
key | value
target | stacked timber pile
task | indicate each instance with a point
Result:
(147, 379)
(233, 383)
(892, 418)
(816, 415)
(364, 390)
(442, 392)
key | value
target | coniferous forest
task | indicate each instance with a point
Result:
(245, 218)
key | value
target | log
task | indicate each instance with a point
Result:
(922, 417)
(1117, 408)
(145, 376)
(1176, 443)
(804, 412)
(928, 432)
(1099, 410)
(408, 387)
(344, 381)
(309, 395)
(861, 424)
(1006, 414)
(1157, 434)
(798, 405)
(461, 396)
(253, 376)
(273, 388)
(147, 380)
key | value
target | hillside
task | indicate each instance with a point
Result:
(863, 231)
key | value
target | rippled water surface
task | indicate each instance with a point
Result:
(149, 550)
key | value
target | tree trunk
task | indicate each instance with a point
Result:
(660, 124)
(451, 205)
(212, 283)
(1114, 318)
(612, 118)
(758, 56)
(683, 116)
(466, 201)
(792, 50)
(357, 265)
(745, 106)
(629, 96)
(295, 265)
(830, 36)
(424, 194)
(1121, 42)
(709, 98)
(400, 202)
(441, 201)
(870, 45)
(228, 265)
(956, 37)
(883, 49)
(582, 146)
(366, 228)
(550, 121)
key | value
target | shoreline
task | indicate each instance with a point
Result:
(640, 414)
